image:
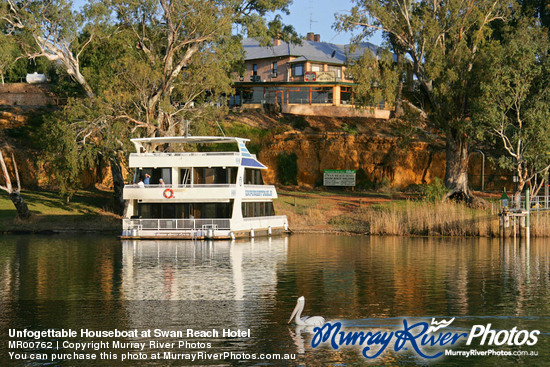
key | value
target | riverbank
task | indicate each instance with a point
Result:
(394, 214)
(370, 213)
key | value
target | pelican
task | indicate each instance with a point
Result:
(307, 321)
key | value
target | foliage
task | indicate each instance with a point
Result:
(441, 41)
(349, 129)
(147, 68)
(435, 191)
(376, 76)
(287, 168)
(515, 100)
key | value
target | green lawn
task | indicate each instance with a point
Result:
(87, 211)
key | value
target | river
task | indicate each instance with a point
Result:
(376, 284)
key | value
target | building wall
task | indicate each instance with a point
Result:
(335, 111)
(264, 67)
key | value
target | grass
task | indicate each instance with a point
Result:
(421, 218)
(87, 211)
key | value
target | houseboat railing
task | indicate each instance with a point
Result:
(184, 154)
(175, 224)
(183, 186)
(203, 186)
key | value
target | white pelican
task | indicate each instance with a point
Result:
(307, 321)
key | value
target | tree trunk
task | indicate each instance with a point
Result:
(456, 173)
(118, 186)
(20, 205)
(517, 193)
(399, 95)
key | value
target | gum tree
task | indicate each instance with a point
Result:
(158, 64)
(441, 42)
(515, 102)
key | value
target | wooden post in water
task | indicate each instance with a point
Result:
(546, 203)
(528, 216)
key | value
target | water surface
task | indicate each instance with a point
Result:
(368, 283)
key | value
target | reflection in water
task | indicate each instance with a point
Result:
(201, 270)
(366, 282)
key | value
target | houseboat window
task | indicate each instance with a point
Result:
(212, 210)
(156, 174)
(253, 177)
(258, 209)
(185, 176)
(298, 70)
(160, 211)
(215, 175)
(185, 210)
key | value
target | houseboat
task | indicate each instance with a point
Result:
(198, 194)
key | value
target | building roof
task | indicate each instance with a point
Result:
(329, 53)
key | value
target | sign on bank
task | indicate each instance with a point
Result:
(337, 177)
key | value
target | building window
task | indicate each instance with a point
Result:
(274, 68)
(298, 70)
(337, 70)
(316, 67)
(254, 69)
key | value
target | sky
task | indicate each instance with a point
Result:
(315, 16)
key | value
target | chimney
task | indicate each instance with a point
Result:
(317, 38)
(310, 36)
(276, 42)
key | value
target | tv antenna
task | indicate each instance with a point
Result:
(311, 21)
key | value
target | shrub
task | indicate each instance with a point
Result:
(287, 169)
(435, 191)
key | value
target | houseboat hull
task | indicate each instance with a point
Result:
(193, 229)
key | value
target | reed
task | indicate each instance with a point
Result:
(431, 219)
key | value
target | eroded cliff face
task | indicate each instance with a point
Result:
(319, 143)
(380, 158)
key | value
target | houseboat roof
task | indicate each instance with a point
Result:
(188, 140)
(247, 159)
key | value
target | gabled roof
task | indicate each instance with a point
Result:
(324, 52)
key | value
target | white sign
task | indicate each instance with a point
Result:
(334, 177)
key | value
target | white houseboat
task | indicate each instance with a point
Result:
(196, 195)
